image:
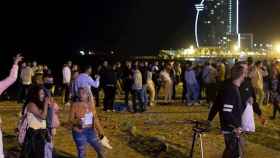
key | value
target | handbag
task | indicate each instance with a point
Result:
(248, 122)
(55, 118)
(22, 127)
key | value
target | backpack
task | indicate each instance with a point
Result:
(22, 127)
(55, 118)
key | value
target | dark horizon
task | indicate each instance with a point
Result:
(127, 27)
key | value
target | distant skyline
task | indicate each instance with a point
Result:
(127, 26)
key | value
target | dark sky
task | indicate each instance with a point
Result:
(128, 26)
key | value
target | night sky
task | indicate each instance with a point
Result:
(45, 28)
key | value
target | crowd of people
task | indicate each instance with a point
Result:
(227, 87)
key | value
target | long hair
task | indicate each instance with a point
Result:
(34, 97)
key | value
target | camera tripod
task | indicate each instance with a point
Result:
(198, 129)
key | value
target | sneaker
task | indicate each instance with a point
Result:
(105, 143)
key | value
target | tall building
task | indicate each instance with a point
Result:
(216, 23)
(246, 41)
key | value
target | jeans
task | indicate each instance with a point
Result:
(138, 95)
(192, 92)
(145, 94)
(234, 146)
(87, 135)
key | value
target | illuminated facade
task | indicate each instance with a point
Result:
(246, 41)
(216, 23)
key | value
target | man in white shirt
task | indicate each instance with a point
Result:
(66, 72)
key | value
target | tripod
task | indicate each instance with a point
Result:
(198, 130)
(199, 127)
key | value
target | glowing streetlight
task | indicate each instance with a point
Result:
(191, 49)
(82, 53)
(236, 48)
(277, 48)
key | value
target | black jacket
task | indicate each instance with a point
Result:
(246, 91)
(229, 106)
(109, 77)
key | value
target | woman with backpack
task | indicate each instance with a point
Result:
(36, 136)
(85, 125)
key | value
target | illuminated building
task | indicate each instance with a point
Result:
(246, 41)
(216, 23)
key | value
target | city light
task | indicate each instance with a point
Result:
(191, 50)
(82, 53)
(236, 48)
(277, 48)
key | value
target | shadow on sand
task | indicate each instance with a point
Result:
(152, 147)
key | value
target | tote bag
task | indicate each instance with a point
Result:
(248, 123)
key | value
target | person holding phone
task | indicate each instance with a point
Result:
(86, 127)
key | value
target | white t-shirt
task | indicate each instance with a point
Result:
(87, 120)
(66, 74)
